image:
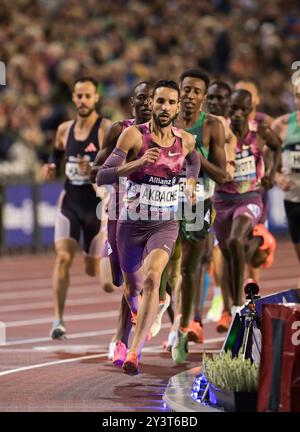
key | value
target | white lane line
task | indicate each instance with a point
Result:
(47, 292)
(43, 282)
(41, 365)
(70, 336)
(75, 302)
(68, 318)
(91, 334)
(59, 362)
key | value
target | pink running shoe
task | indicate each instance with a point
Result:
(120, 353)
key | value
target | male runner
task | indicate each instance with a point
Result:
(209, 134)
(147, 229)
(79, 141)
(238, 203)
(140, 107)
(288, 178)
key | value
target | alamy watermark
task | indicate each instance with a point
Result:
(296, 75)
(296, 334)
(2, 73)
(154, 202)
(2, 333)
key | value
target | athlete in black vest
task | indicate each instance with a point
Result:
(78, 142)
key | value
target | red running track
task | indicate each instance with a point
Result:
(74, 375)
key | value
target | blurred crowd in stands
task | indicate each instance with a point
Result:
(45, 45)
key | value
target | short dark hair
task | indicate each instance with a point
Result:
(251, 81)
(167, 83)
(196, 73)
(223, 85)
(147, 83)
(86, 79)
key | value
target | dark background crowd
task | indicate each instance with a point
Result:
(45, 45)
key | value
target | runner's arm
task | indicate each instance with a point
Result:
(114, 166)
(215, 167)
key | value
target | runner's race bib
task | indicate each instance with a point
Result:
(73, 171)
(159, 196)
(245, 168)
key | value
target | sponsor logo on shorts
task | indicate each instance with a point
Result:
(90, 148)
(167, 247)
(255, 210)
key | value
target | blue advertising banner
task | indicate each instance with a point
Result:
(18, 216)
(46, 211)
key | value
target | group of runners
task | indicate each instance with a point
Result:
(171, 201)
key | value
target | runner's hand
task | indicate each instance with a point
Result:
(190, 191)
(150, 156)
(48, 171)
(84, 165)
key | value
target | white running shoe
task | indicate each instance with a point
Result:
(157, 322)
(235, 310)
(215, 312)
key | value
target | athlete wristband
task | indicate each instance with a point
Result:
(193, 165)
(107, 173)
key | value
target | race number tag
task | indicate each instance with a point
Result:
(74, 173)
(159, 196)
(294, 160)
(244, 168)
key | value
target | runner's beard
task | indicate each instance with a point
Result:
(86, 113)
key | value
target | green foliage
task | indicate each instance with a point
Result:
(231, 373)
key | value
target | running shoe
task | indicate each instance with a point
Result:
(215, 312)
(224, 323)
(157, 322)
(111, 349)
(119, 354)
(167, 345)
(133, 322)
(195, 332)
(131, 364)
(133, 318)
(58, 330)
(180, 347)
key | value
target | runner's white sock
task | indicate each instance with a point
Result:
(217, 290)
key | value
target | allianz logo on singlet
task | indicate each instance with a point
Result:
(161, 181)
(22, 217)
(19, 217)
(90, 148)
(157, 195)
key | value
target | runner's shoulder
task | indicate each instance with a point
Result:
(281, 121)
(64, 127)
(212, 120)
(187, 138)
